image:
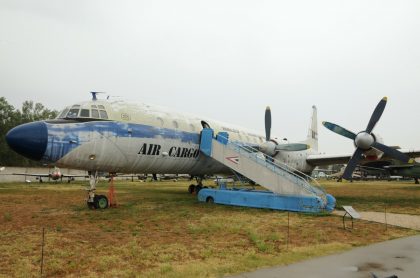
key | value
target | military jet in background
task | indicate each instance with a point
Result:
(411, 170)
(55, 175)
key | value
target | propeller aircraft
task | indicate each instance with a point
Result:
(368, 145)
(123, 137)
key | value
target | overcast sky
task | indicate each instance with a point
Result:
(224, 59)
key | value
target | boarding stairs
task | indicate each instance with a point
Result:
(264, 170)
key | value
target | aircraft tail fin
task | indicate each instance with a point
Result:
(312, 139)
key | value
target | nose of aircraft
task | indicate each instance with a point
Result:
(29, 140)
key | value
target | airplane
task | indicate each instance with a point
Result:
(369, 146)
(55, 175)
(124, 137)
(411, 170)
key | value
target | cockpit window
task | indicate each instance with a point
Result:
(73, 113)
(103, 113)
(85, 113)
(95, 113)
(63, 114)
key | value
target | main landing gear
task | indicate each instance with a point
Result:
(95, 201)
(194, 189)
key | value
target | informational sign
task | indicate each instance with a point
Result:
(352, 212)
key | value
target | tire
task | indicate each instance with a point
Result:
(210, 200)
(101, 202)
(191, 189)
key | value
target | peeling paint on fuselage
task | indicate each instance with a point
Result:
(140, 138)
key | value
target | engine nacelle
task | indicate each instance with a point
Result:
(268, 148)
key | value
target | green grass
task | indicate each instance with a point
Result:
(160, 230)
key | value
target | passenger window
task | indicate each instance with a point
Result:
(101, 107)
(84, 113)
(95, 114)
(175, 123)
(160, 120)
(73, 113)
(103, 113)
(93, 106)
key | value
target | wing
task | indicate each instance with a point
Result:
(75, 176)
(31, 175)
(413, 153)
(325, 159)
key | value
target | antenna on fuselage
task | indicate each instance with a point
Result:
(94, 95)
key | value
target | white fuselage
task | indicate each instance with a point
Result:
(116, 136)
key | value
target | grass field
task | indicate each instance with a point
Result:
(161, 231)
(397, 197)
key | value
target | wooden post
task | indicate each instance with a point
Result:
(288, 230)
(42, 251)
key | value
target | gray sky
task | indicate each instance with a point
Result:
(224, 59)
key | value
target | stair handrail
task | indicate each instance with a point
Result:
(271, 161)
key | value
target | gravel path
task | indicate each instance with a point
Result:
(400, 220)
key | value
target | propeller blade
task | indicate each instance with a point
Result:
(267, 123)
(357, 156)
(340, 130)
(376, 114)
(392, 152)
(292, 147)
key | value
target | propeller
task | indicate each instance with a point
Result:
(267, 124)
(270, 147)
(366, 140)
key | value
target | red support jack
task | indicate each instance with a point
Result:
(112, 198)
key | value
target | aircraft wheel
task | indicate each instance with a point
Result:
(101, 202)
(210, 200)
(191, 189)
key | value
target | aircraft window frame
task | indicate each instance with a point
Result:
(73, 115)
(175, 124)
(97, 113)
(76, 106)
(101, 107)
(103, 114)
(84, 116)
(94, 106)
(160, 120)
(63, 113)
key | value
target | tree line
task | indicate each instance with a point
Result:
(11, 117)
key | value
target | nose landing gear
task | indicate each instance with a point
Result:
(95, 201)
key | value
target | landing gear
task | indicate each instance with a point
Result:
(91, 198)
(416, 180)
(100, 202)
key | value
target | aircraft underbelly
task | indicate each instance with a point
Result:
(141, 155)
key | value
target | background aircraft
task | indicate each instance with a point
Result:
(54, 175)
(368, 145)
